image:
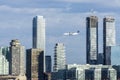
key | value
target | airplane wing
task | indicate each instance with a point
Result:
(75, 34)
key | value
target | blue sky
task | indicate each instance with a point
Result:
(61, 16)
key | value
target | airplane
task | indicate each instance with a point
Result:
(71, 33)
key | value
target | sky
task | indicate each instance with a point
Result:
(61, 16)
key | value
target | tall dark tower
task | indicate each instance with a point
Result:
(108, 38)
(35, 64)
(92, 39)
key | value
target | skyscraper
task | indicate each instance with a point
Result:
(17, 58)
(48, 63)
(59, 57)
(108, 38)
(34, 64)
(92, 39)
(39, 32)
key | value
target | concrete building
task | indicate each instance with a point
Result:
(17, 58)
(90, 72)
(35, 64)
(59, 57)
(48, 63)
(91, 39)
(108, 38)
(4, 60)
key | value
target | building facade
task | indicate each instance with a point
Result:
(108, 38)
(39, 32)
(59, 57)
(85, 72)
(91, 39)
(35, 64)
(17, 58)
(4, 60)
(90, 72)
(48, 63)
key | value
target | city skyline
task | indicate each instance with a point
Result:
(16, 23)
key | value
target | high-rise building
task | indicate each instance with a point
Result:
(48, 63)
(39, 32)
(59, 57)
(35, 64)
(17, 58)
(108, 38)
(92, 39)
(4, 60)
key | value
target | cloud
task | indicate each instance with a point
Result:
(28, 10)
(109, 3)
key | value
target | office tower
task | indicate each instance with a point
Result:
(59, 57)
(48, 63)
(108, 38)
(35, 64)
(91, 39)
(17, 58)
(39, 32)
(4, 61)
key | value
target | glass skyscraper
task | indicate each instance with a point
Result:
(92, 39)
(108, 38)
(59, 57)
(39, 32)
